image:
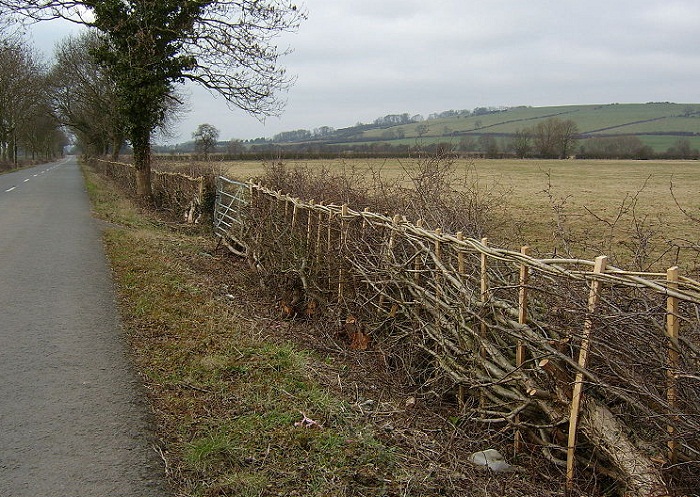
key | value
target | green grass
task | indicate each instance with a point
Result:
(229, 403)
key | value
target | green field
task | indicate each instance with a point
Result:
(586, 207)
(651, 122)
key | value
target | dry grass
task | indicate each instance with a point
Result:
(582, 208)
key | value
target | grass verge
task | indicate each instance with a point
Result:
(245, 408)
(231, 408)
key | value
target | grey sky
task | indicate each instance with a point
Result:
(356, 60)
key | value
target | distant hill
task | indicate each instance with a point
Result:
(657, 124)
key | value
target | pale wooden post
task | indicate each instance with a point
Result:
(438, 232)
(319, 224)
(364, 218)
(200, 190)
(522, 319)
(278, 199)
(593, 298)
(461, 269)
(484, 299)
(392, 240)
(396, 220)
(672, 329)
(522, 304)
(294, 214)
(460, 255)
(329, 242)
(329, 253)
(484, 273)
(417, 263)
(309, 223)
(251, 192)
(437, 248)
(341, 251)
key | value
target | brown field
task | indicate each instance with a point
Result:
(582, 208)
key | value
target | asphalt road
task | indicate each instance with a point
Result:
(73, 418)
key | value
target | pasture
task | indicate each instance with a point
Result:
(656, 124)
(582, 208)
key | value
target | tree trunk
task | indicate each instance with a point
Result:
(141, 141)
(116, 147)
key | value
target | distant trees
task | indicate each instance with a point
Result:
(682, 149)
(151, 46)
(205, 139)
(489, 146)
(296, 135)
(323, 132)
(422, 130)
(552, 138)
(26, 123)
(522, 143)
(234, 147)
(467, 144)
(85, 96)
(615, 147)
(393, 120)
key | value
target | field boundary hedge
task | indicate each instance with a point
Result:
(594, 365)
(184, 197)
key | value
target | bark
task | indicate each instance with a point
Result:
(117, 142)
(141, 141)
(605, 431)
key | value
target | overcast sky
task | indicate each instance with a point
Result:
(356, 60)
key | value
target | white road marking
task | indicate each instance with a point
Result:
(26, 180)
(10, 189)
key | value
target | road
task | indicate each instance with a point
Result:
(73, 418)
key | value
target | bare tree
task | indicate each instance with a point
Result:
(205, 139)
(521, 143)
(85, 98)
(22, 96)
(152, 45)
(554, 138)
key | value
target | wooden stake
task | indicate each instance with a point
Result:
(396, 220)
(522, 319)
(460, 255)
(484, 299)
(672, 329)
(484, 274)
(294, 214)
(417, 264)
(593, 298)
(319, 224)
(309, 223)
(437, 243)
(437, 248)
(364, 219)
(343, 242)
(392, 240)
(461, 390)
(329, 254)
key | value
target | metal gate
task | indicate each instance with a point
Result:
(230, 211)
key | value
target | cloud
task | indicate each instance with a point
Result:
(356, 60)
